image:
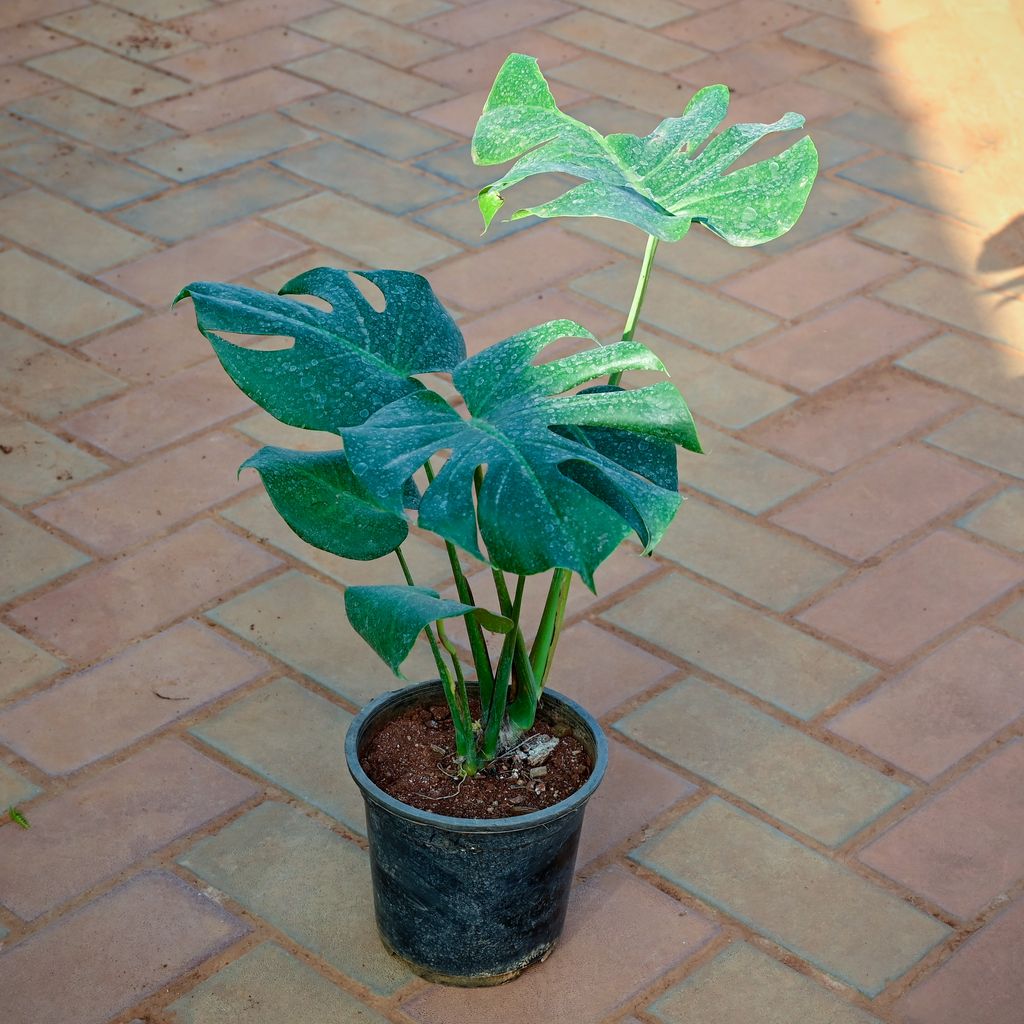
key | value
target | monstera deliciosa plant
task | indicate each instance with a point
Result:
(537, 466)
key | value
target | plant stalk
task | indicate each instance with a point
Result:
(477, 644)
(462, 720)
(550, 630)
(496, 713)
(638, 298)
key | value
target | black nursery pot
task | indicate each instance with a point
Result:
(471, 901)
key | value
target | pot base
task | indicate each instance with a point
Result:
(538, 956)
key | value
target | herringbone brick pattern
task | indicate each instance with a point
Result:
(814, 691)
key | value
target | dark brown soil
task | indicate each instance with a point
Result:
(412, 758)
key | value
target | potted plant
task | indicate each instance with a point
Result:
(535, 468)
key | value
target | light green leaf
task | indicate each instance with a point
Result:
(345, 363)
(390, 618)
(548, 498)
(661, 183)
(321, 499)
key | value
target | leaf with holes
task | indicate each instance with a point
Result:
(547, 498)
(661, 183)
(345, 363)
(390, 618)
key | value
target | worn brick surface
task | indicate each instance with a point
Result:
(241, 55)
(229, 101)
(634, 792)
(962, 848)
(600, 670)
(15, 788)
(835, 615)
(197, 156)
(29, 556)
(893, 609)
(302, 758)
(119, 511)
(1001, 519)
(90, 832)
(37, 464)
(370, 79)
(370, 126)
(831, 431)
(256, 861)
(295, 618)
(358, 231)
(994, 373)
(865, 510)
(116, 602)
(819, 351)
(980, 979)
(28, 285)
(60, 230)
(825, 271)
(776, 570)
(168, 410)
(84, 175)
(741, 977)
(103, 958)
(46, 382)
(942, 708)
(153, 346)
(24, 663)
(104, 708)
(231, 252)
(814, 907)
(713, 322)
(795, 779)
(743, 476)
(766, 657)
(473, 281)
(269, 986)
(987, 436)
(189, 211)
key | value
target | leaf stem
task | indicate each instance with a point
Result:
(550, 630)
(477, 645)
(638, 298)
(496, 712)
(465, 740)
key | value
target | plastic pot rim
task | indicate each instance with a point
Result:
(518, 823)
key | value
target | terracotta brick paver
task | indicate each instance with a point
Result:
(813, 692)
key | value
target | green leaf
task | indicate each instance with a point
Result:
(660, 183)
(322, 500)
(390, 618)
(652, 458)
(345, 363)
(547, 499)
(18, 818)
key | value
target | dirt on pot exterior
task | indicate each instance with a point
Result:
(412, 759)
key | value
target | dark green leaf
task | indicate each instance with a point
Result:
(345, 363)
(321, 499)
(660, 183)
(537, 509)
(390, 618)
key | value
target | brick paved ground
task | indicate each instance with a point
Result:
(814, 692)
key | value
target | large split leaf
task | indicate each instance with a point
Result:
(390, 618)
(660, 183)
(320, 498)
(345, 363)
(547, 499)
